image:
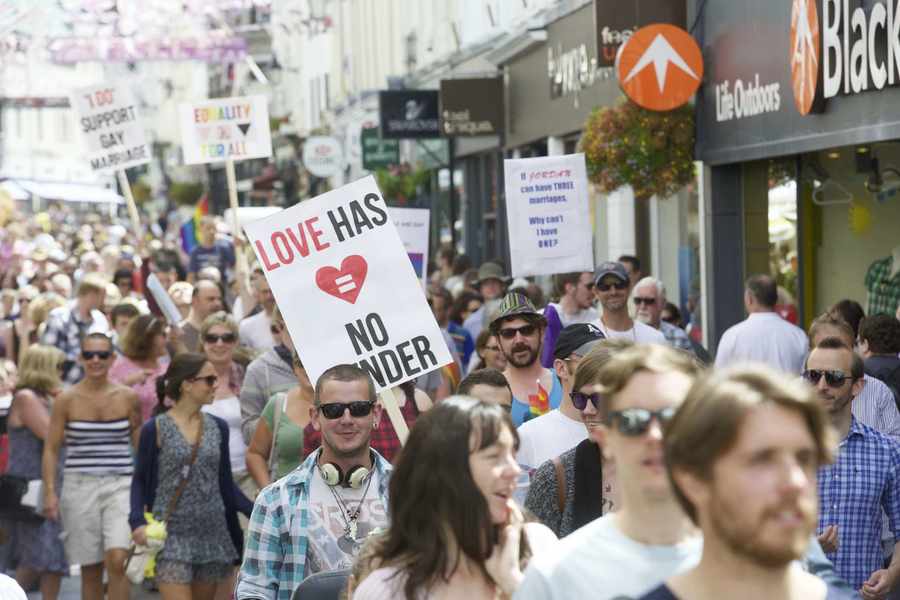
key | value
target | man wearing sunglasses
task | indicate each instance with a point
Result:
(519, 329)
(864, 479)
(611, 287)
(628, 552)
(316, 517)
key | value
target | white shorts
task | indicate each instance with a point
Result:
(94, 513)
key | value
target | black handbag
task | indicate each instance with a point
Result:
(12, 489)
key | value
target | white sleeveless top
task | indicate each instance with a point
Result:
(229, 410)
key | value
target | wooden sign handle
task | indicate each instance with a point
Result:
(392, 406)
(241, 259)
(132, 207)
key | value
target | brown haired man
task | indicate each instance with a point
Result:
(742, 454)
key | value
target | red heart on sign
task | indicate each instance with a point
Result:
(345, 283)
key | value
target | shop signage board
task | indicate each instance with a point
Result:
(546, 211)
(222, 129)
(408, 114)
(378, 153)
(322, 156)
(412, 226)
(472, 107)
(111, 127)
(343, 279)
(617, 21)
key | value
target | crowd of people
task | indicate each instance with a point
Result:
(582, 444)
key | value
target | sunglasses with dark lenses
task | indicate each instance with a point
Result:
(605, 287)
(91, 354)
(212, 338)
(641, 300)
(211, 380)
(335, 410)
(834, 379)
(508, 333)
(580, 400)
(636, 421)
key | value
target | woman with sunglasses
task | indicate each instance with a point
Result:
(461, 530)
(144, 358)
(183, 476)
(277, 444)
(489, 354)
(40, 550)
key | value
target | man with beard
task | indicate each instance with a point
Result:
(742, 454)
(316, 517)
(611, 286)
(519, 329)
(864, 479)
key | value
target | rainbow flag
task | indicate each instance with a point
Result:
(192, 226)
(453, 375)
(539, 403)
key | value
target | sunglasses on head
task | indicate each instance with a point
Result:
(638, 300)
(335, 410)
(91, 354)
(211, 380)
(834, 379)
(580, 400)
(636, 421)
(508, 333)
(212, 338)
(605, 287)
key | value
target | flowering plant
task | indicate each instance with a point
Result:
(400, 183)
(648, 150)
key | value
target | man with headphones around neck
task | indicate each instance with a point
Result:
(316, 517)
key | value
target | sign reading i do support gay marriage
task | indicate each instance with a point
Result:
(225, 129)
(346, 287)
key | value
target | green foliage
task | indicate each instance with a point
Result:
(185, 193)
(400, 184)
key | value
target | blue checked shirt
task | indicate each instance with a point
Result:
(277, 536)
(852, 492)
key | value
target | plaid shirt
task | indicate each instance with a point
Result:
(63, 330)
(875, 407)
(864, 479)
(277, 535)
(676, 336)
(884, 290)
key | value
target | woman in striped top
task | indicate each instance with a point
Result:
(98, 421)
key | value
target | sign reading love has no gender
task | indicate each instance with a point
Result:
(227, 128)
(346, 288)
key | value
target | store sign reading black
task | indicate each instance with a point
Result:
(472, 107)
(408, 114)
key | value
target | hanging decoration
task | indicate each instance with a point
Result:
(651, 151)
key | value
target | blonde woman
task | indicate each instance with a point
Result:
(41, 551)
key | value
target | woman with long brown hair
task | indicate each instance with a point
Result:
(454, 524)
(144, 358)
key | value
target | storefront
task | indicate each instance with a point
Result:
(799, 126)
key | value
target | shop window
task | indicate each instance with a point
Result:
(782, 230)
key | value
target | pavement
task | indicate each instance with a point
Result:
(71, 590)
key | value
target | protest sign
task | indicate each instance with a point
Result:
(343, 281)
(548, 215)
(111, 128)
(163, 300)
(412, 226)
(227, 128)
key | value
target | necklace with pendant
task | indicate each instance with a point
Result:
(351, 518)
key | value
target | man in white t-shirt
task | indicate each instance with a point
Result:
(546, 437)
(611, 287)
(576, 298)
(630, 551)
(256, 331)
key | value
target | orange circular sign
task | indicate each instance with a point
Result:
(660, 67)
(804, 53)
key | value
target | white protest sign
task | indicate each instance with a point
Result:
(548, 215)
(226, 128)
(110, 126)
(345, 286)
(412, 225)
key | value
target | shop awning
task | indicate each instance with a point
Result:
(22, 189)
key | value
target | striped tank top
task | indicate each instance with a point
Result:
(99, 447)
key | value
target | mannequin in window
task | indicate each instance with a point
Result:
(883, 284)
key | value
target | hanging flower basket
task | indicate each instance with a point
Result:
(651, 151)
(400, 184)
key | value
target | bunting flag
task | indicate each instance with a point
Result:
(539, 403)
(190, 228)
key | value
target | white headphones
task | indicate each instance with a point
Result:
(333, 475)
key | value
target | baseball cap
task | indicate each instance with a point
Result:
(577, 338)
(611, 268)
(516, 305)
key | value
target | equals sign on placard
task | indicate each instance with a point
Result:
(345, 283)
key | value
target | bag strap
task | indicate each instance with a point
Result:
(186, 474)
(276, 419)
(560, 483)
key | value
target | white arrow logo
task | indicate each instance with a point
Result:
(660, 53)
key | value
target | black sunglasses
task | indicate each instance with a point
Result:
(834, 379)
(636, 421)
(508, 333)
(212, 338)
(335, 410)
(605, 287)
(211, 380)
(641, 300)
(580, 400)
(91, 354)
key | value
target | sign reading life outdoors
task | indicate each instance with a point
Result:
(111, 127)
(472, 107)
(227, 128)
(346, 286)
(407, 114)
(617, 21)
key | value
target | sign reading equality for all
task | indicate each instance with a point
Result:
(547, 212)
(226, 128)
(343, 280)
(111, 127)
